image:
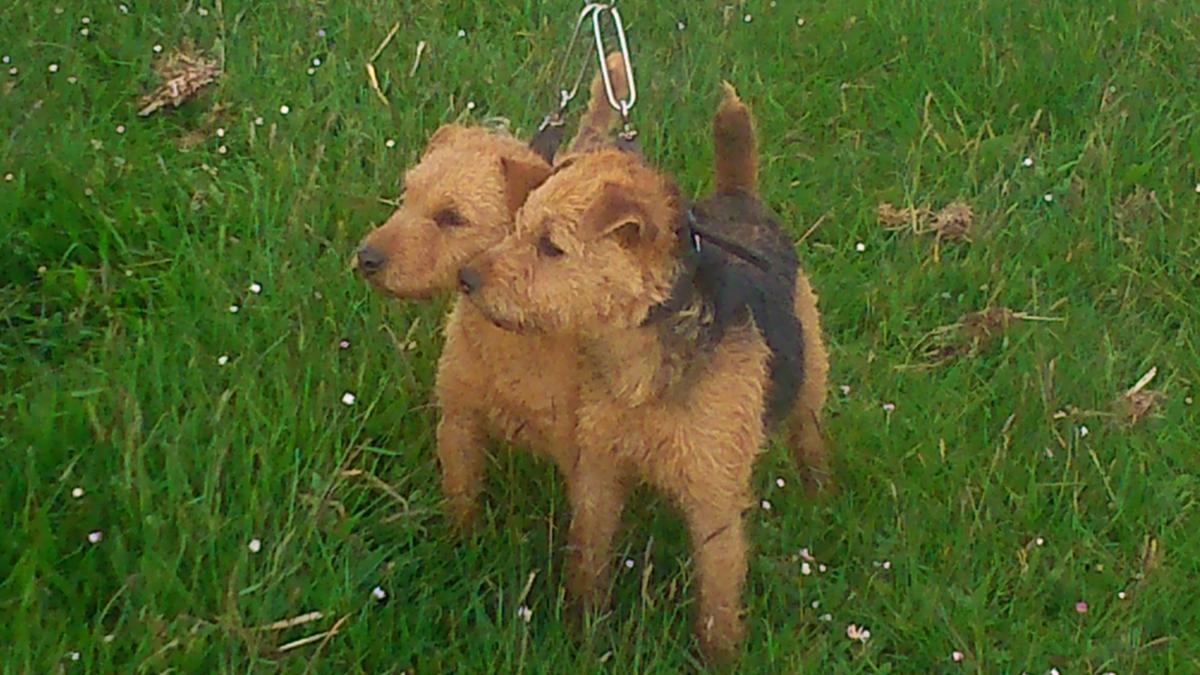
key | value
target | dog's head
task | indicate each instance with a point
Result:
(458, 200)
(595, 247)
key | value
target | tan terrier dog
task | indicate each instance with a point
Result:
(491, 384)
(688, 353)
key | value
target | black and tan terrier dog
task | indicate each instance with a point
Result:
(689, 353)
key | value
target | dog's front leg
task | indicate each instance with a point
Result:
(460, 450)
(596, 490)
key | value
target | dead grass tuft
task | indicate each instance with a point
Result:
(1135, 404)
(953, 222)
(892, 218)
(184, 74)
(972, 334)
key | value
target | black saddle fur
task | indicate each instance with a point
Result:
(736, 288)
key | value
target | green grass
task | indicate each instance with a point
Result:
(122, 254)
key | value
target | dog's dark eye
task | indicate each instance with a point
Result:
(449, 218)
(547, 249)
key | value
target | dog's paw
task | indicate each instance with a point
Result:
(720, 640)
(462, 519)
(576, 616)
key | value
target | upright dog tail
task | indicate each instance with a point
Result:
(598, 121)
(736, 149)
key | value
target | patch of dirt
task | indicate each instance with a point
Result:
(1134, 408)
(1141, 207)
(985, 324)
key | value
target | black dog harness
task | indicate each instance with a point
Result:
(691, 238)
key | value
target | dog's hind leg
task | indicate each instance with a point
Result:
(803, 428)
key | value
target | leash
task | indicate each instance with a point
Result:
(549, 134)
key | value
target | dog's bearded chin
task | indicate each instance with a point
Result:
(405, 292)
(501, 322)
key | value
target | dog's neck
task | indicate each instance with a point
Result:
(656, 359)
(683, 290)
(676, 339)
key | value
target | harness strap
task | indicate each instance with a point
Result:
(748, 254)
(685, 284)
(628, 142)
(548, 137)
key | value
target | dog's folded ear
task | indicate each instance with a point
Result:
(521, 176)
(616, 213)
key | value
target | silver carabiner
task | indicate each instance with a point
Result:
(624, 105)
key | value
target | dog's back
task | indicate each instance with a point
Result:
(738, 289)
(737, 286)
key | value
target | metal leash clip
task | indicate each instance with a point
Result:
(549, 134)
(622, 106)
(566, 95)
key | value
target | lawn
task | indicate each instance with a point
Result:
(181, 467)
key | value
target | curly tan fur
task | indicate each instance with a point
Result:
(593, 253)
(460, 198)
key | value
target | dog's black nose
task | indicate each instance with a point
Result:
(468, 280)
(370, 260)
